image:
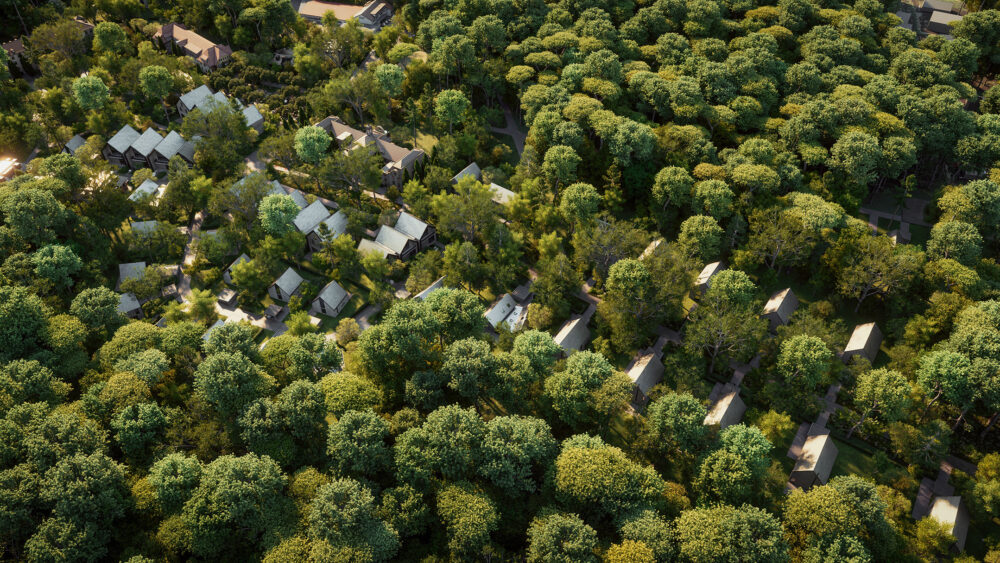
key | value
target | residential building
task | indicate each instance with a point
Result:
(400, 162)
(283, 56)
(287, 285)
(573, 335)
(704, 280)
(310, 217)
(367, 246)
(645, 371)
(128, 305)
(331, 300)
(138, 152)
(815, 462)
(211, 329)
(147, 189)
(7, 168)
(728, 409)
(144, 227)
(371, 16)
(650, 249)
(941, 22)
(471, 170)
(73, 144)
(114, 150)
(438, 284)
(865, 342)
(333, 226)
(424, 234)
(500, 310)
(227, 297)
(253, 117)
(779, 308)
(227, 275)
(501, 195)
(172, 145)
(401, 244)
(193, 99)
(206, 54)
(130, 271)
(951, 511)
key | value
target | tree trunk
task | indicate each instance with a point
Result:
(858, 425)
(993, 420)
(928, 407)
(961, 417)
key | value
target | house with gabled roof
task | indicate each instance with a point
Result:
(500, 310)
(73, 144)
(206, 54)
(334, 226)
(865, 342)
(371, 16)
(128, 305)
(438, 284)
(149, 188)
(573, 334)
(704, 280)
(367, 246)
(138, 152)
(15, 51)
(471, 170)
(191, 99)
(424, 234)
(645, 371)
(172, 145)
(287, 285)
(213, 328)
(815, 463)
(779, 308)
(130, 271)
(310, 217)
(253, 118)
(399, 162)
(330, 301)
(951, 512)
(401, 244)
(501, 195)
(114, 150)
(144, 227)
(727, 409)
(227, 275)
(651, 248)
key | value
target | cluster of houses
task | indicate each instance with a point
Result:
(372, 16)
(934, 17)
(403, 240)
(148, 149)
(399, 162)
(128, 304)
(207, 54)
(202, 98)
(16, 51)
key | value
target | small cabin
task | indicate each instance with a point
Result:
(128, 305)
(424, 234)
(779, 308)
(865, 342)
(287, 285)
(438, 284)
(645, 372)
(130, 271)
(727, 410)
(815, 462)
(227, 276)
(573, 335)
(500, 310)
(331, 300)
(704, 280)
(951, 512)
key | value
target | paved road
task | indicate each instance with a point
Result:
(511, 128)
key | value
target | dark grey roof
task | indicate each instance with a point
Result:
(123, 139)
(392, 239)
(147, 142)
(410, 226)
(170, 145)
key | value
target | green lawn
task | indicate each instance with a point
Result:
(852, 461)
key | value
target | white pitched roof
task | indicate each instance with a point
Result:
(646, 372)
(430, 289)
(392, 239)
(573, 334)
(332, 294)
(470, 170)
(501, 194)
(146, 188)
(172, 144)
(127, 302)
(818, 455)
(289, 281)
(76, 142)
(708, 271)
(499, 311)
(949, 511)
(312, 215)
(336, 224)
(146, 142)
(410, 226)
(144, 226)
(123, 139)
(132, 270)
(252, 115)
(366, 246)
(242, 258)
(194, 97)
(860, 337)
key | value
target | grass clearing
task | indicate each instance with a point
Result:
(852, 461)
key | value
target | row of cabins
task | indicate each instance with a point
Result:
(202, 98)
(330, 300)
(372, 16)
(403, 240)
(207, 54)
(930, 16)
(399, 162)
(148, 149)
